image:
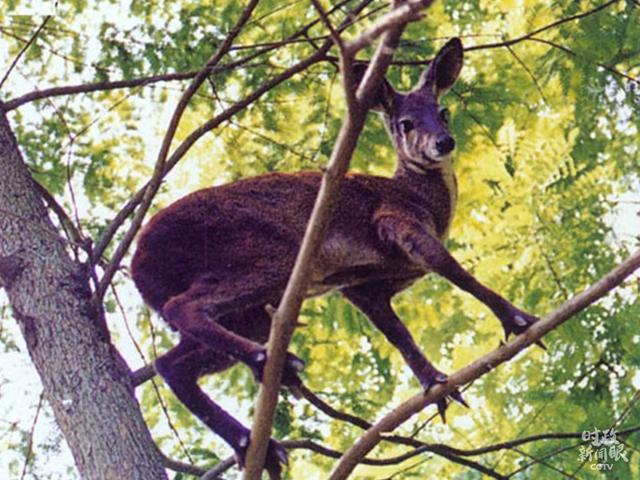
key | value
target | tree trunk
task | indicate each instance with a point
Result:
(84, 379)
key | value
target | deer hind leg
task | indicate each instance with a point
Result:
(181, 367)
(202, 312)
(374, 300)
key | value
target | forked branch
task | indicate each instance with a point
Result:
(158, 172)
(287, 313)
(107, 236)
(483, 365)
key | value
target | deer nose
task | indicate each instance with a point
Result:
(445, 144)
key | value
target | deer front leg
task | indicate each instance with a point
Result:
(180, 368)
(425, 250)
(374, 300)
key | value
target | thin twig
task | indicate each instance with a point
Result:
(533, 438)
(74, 236)
(609, 68)
(182, 467)
(158, 172)
(170, 424)
(620, 418)
(406, 469)
(108, 85)
(180, 151)
(554, 274)
(272, 141)
(406, 11)
(530, 420)
(27, 456)
(335, 36)
(625, 412)
(306, 444)
(327, 409)
(163, 406)
(419, 447)
(484, 364)
(54, 52)
(529, 72)
(266, 48)
(551, 25)
(24, 49)
(541, 461)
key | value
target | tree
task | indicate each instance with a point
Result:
(547, 169)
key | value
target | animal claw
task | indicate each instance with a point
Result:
(442, 408)
(457, 396)
(516, 322)
(296, 391)
(541, 345)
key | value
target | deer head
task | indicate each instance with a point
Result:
(415, 120)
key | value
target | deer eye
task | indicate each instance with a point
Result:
(406, 126)
(444, 114)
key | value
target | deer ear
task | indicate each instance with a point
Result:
(443, 69)
(384, 98)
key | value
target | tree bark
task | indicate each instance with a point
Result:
(84, 378)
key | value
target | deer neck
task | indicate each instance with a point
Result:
(439, 187)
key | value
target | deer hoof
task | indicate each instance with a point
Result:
(515, 321)
(277, 455)
(429, 378)
(292, 366)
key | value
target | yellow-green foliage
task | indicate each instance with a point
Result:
(547, 146)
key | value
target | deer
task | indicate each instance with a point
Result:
(214, 262)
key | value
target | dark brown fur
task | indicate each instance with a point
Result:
(254, 228)
(211, 262)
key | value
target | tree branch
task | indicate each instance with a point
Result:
(158, 173)
(101, 86)
(567, 50)
(335, 35)
(267, 48)
(418, 446)
(168, 77)
(74, 235)
(483, 365)
(219, 469)
(306, 444)
(123, 214)
(526, 36)
(453, 454)
(405, 12)
(286, 315)
(182, 467)
(24, 49)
